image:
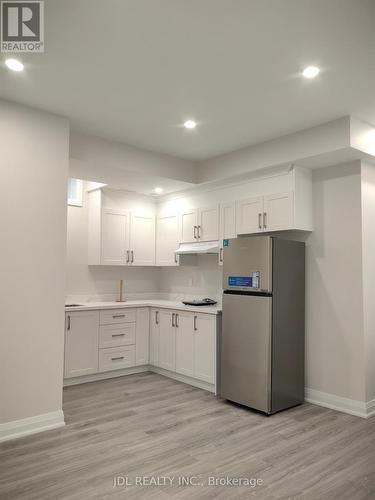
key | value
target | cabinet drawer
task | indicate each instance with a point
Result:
(114, 316)
(117, 335)
(115, 358)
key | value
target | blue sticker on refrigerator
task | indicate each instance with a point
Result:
(240, 281)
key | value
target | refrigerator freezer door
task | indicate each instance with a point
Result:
(246, 350)
(245, 256)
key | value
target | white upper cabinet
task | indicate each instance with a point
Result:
(115, 237)
(208, 223)
(227, 225)
(167, 239)
(119, 236)
(199, 224)
(273, 212)
(124, 231)
(228, 220)
(142, 239)
(189, 225)
(249, 215)
(278, 212)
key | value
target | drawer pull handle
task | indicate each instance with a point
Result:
(118, 316)
(118, 358)
(118, 335)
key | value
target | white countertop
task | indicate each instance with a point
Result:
(166, 304)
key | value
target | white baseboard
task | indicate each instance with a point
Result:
(338, 403)
(31, 425)
(139, 369)
(183, 378)
(105, 375)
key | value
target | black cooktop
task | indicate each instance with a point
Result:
(202, 302)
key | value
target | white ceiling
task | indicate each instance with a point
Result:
(134, 70)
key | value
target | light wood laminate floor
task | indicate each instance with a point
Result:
(148, 425)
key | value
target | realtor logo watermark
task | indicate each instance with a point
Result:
(22, 26)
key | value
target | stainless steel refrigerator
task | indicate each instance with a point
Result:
(263, 330)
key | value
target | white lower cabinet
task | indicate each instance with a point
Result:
(178, 341)
(142, 336)
(115, 358)
(154, 337)
(204, 347)
(167, 339)
(184, 343)
(81, 343)
(116, 335)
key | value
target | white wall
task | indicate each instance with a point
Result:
(100, 153)
(368, 260)
(34, 149)
(334, 308)
(316, 144)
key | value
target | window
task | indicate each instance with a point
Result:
(75, 192)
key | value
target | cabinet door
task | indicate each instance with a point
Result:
(81, 343)
(142, 239)
(184, 343)
(205, 347)
(154, 337)
(167, 338)
(167, 239)
(208, 223)
(188, 225)
(142, 335)
(249, 215)
(227, 225)
(115, 237)
(278, 212)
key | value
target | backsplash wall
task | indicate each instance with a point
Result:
(202, 280)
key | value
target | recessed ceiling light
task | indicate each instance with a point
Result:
(311, 72)
(158, 190)
(14, 64)
(190, 124)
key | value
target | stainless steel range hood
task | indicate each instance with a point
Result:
(198, 248)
